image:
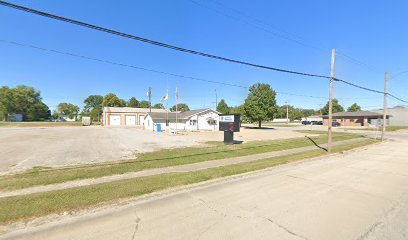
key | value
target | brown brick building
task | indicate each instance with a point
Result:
(362, 118)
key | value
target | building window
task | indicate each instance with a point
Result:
(211, 121)
(193, 122)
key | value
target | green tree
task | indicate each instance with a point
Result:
(68, 109)
(111, 100)
(354, 108)
(336, 107)
(93, 107)
(144, 104)
(181, 107)
(25, 100)
(260, 105)
(222, 107)
(158, 106)
(133, 103)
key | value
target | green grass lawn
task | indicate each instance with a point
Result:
(39, 124)
(27, 207)
(162, 158)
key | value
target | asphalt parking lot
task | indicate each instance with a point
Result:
(23, 148)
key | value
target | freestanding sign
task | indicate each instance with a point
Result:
(229, 123)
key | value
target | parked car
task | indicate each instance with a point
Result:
(336, 124)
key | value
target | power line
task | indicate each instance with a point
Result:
(298, 39)
(153, 42)
(70, 54)
(165, 45)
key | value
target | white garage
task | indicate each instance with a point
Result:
(130, 120)
(114, 120)
(126, 116)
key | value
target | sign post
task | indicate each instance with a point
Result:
(229, 123)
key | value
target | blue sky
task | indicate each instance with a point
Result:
(296, 35)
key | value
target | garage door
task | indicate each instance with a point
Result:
(141, 120)
(130, 120)
(114, 120)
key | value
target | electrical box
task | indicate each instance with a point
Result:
(229, 122)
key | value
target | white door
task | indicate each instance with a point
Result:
(130, 120)
(114, 120)
(141, 120)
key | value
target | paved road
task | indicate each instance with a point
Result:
(358, 195)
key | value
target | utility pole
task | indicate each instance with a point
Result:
(287, 112)
(320, 105)
(216, 100)
(386, 77)
(150, 99)
(329, 134)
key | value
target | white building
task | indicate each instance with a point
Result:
(126, 116)
(202, 119)
(398, 115)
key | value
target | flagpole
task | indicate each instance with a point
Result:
(176, 110)
(167, 110)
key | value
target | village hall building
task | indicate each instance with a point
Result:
(361, 118)
(126, 116)
(201, 119)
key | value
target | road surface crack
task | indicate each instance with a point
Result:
(206, 230)
(137, 221)
(212, 208)
(284, 228)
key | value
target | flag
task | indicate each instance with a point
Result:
(165, 97)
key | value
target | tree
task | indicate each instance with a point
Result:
(181, 107)
(111, 100)
(158, 106)
(144, 104)
(68, 109)
(24, 100)
(93, 107)
(354, 108)
(222, 107)
(336, 107)
(133, 102)
(260, 104)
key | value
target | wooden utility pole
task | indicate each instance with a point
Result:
(287, 112)
(329, 134)
(216, 100)
(384, 123)
(150, 99)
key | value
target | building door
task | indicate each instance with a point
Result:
(141, 120)
(130, 120)
(114, 120)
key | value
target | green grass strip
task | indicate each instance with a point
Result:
(158, 159)
(30, 206)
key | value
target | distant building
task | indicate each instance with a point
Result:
(314, 118)
(16, 117)
(126, 116)
(399, 115)
(361, 118)
(202, 119)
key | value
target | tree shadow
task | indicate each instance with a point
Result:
(317, 145)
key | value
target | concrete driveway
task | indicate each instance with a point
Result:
(23, 148)
(359, 195)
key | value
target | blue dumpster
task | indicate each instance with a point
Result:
(158, 128)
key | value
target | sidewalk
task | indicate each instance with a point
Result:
(172, 169)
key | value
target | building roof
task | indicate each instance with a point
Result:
(132, 110)
(180, 115)
(356, 114)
